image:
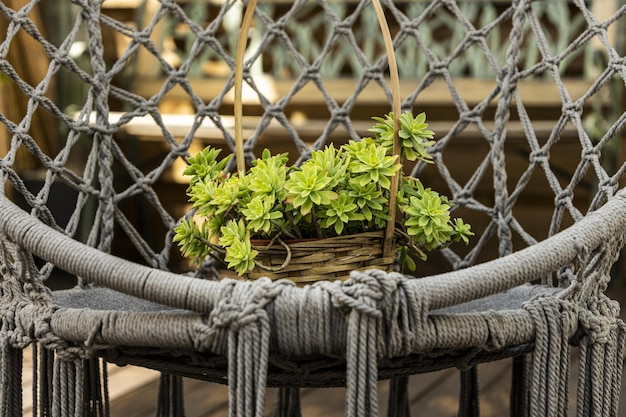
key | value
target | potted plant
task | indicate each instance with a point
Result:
(253, 220)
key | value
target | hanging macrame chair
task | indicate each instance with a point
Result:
(87, 195)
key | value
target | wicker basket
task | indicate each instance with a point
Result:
(311, 260)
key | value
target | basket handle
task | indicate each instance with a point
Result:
(395, 93)
(238, 103)
(388, 246)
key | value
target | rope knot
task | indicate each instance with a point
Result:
(546, 310)
(342, 28)
(572, 110)
(274, 110)
(142, 37)
(366, 294)
(241, 312)
(563, 198)
(473, 116)
(598, 320)
(362, 292)
(537, 157)
(591, 155)
(475, 36)
(371, 73)
(596, 327)
(231, 316)
(617, 64)
(438, 68)
(340, 114)
(241, 304)
(277, 29)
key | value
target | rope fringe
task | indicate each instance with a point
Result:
(468, 398)
(171, 399)
(555, 322)
(66, 385)
(520, 387)
(288, 403)
(241, 315)
(10, 380)
(361, 294)
(398, 405)
(600, 335)
(600, 365)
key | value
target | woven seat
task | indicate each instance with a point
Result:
(541, 184)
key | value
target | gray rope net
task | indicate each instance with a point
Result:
(528, 115)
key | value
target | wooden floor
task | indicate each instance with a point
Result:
(133, 392)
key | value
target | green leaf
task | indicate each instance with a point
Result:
(205, 165)
(306, 207)
(240, 256)
(232, 231)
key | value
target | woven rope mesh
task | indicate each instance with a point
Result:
(98, 116)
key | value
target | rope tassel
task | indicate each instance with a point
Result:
(555, 323)
(248, 349)
(241, 315)
(520, 386)
(361, 294)
(10, 380)
(398, 405)
(362, 370)
(170, 399)
(66, 393)
(288, 403)
(468, 399)
(78, 386)
(600, 365)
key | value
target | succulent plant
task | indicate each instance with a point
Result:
(338, 191)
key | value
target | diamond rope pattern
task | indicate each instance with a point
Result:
(480, 70)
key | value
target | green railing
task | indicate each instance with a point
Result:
(424, 35)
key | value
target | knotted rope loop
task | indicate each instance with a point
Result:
(473, 116)
(564, 198)
(239, 326)
(275, 110)
(617, 64)
(340, 115)
(596, 328)
(476, 36)
(360, 293)
(601, 338)
(607, 188)
(373, 73)
(64, 350)
(20, 287)
(591, 155)
(384, 319)
(438, 68)
(343, 28)
(597, 321)
(539, 156)
(241, 304)
(277, 29)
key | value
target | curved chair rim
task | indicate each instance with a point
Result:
(126, 330)
(184, 292)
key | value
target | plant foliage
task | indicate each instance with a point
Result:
(337, 191)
